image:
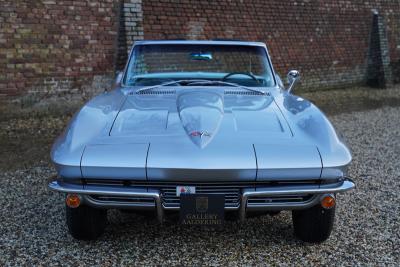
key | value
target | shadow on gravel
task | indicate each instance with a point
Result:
(276, 228)
(233, 242)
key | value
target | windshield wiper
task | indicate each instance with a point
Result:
(208, 82)
(199, 82)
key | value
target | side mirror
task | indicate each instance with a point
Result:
(279, 81)
(118, 78)
(293, 77)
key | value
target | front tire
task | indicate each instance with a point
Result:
(313, 225)
(86, 223)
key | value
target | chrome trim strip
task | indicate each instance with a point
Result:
(177, 208)
(346, 185)
(198, 42)
(284, 205)
(87, 199)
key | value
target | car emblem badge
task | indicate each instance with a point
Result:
(201, 204)
(200, 134)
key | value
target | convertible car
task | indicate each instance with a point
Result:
(206, 129)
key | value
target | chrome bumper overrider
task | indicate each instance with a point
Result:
(110, 191)
(88, 191)
(316, 190)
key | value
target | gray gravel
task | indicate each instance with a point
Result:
(33, 232)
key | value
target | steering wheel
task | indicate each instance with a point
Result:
(241, 73)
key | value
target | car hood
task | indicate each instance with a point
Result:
(200, 116)
(202, 135)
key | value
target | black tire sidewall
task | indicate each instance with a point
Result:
(313, 225)
(86, 223)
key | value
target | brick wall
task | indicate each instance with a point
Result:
(327, 41)
(56, 47)
(130, 29)
(62, 48)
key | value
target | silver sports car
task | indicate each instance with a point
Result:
(206, 129)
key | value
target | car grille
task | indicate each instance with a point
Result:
(231, 193)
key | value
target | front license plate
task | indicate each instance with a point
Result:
(202, 209)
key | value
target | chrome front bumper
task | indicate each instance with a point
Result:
(155, 195)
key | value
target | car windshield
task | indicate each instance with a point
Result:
(160, 63)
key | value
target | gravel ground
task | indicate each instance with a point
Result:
(367, 227)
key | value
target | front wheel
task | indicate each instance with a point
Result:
(313, 225)
(86, 223)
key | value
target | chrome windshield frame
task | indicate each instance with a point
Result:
(191, 42)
